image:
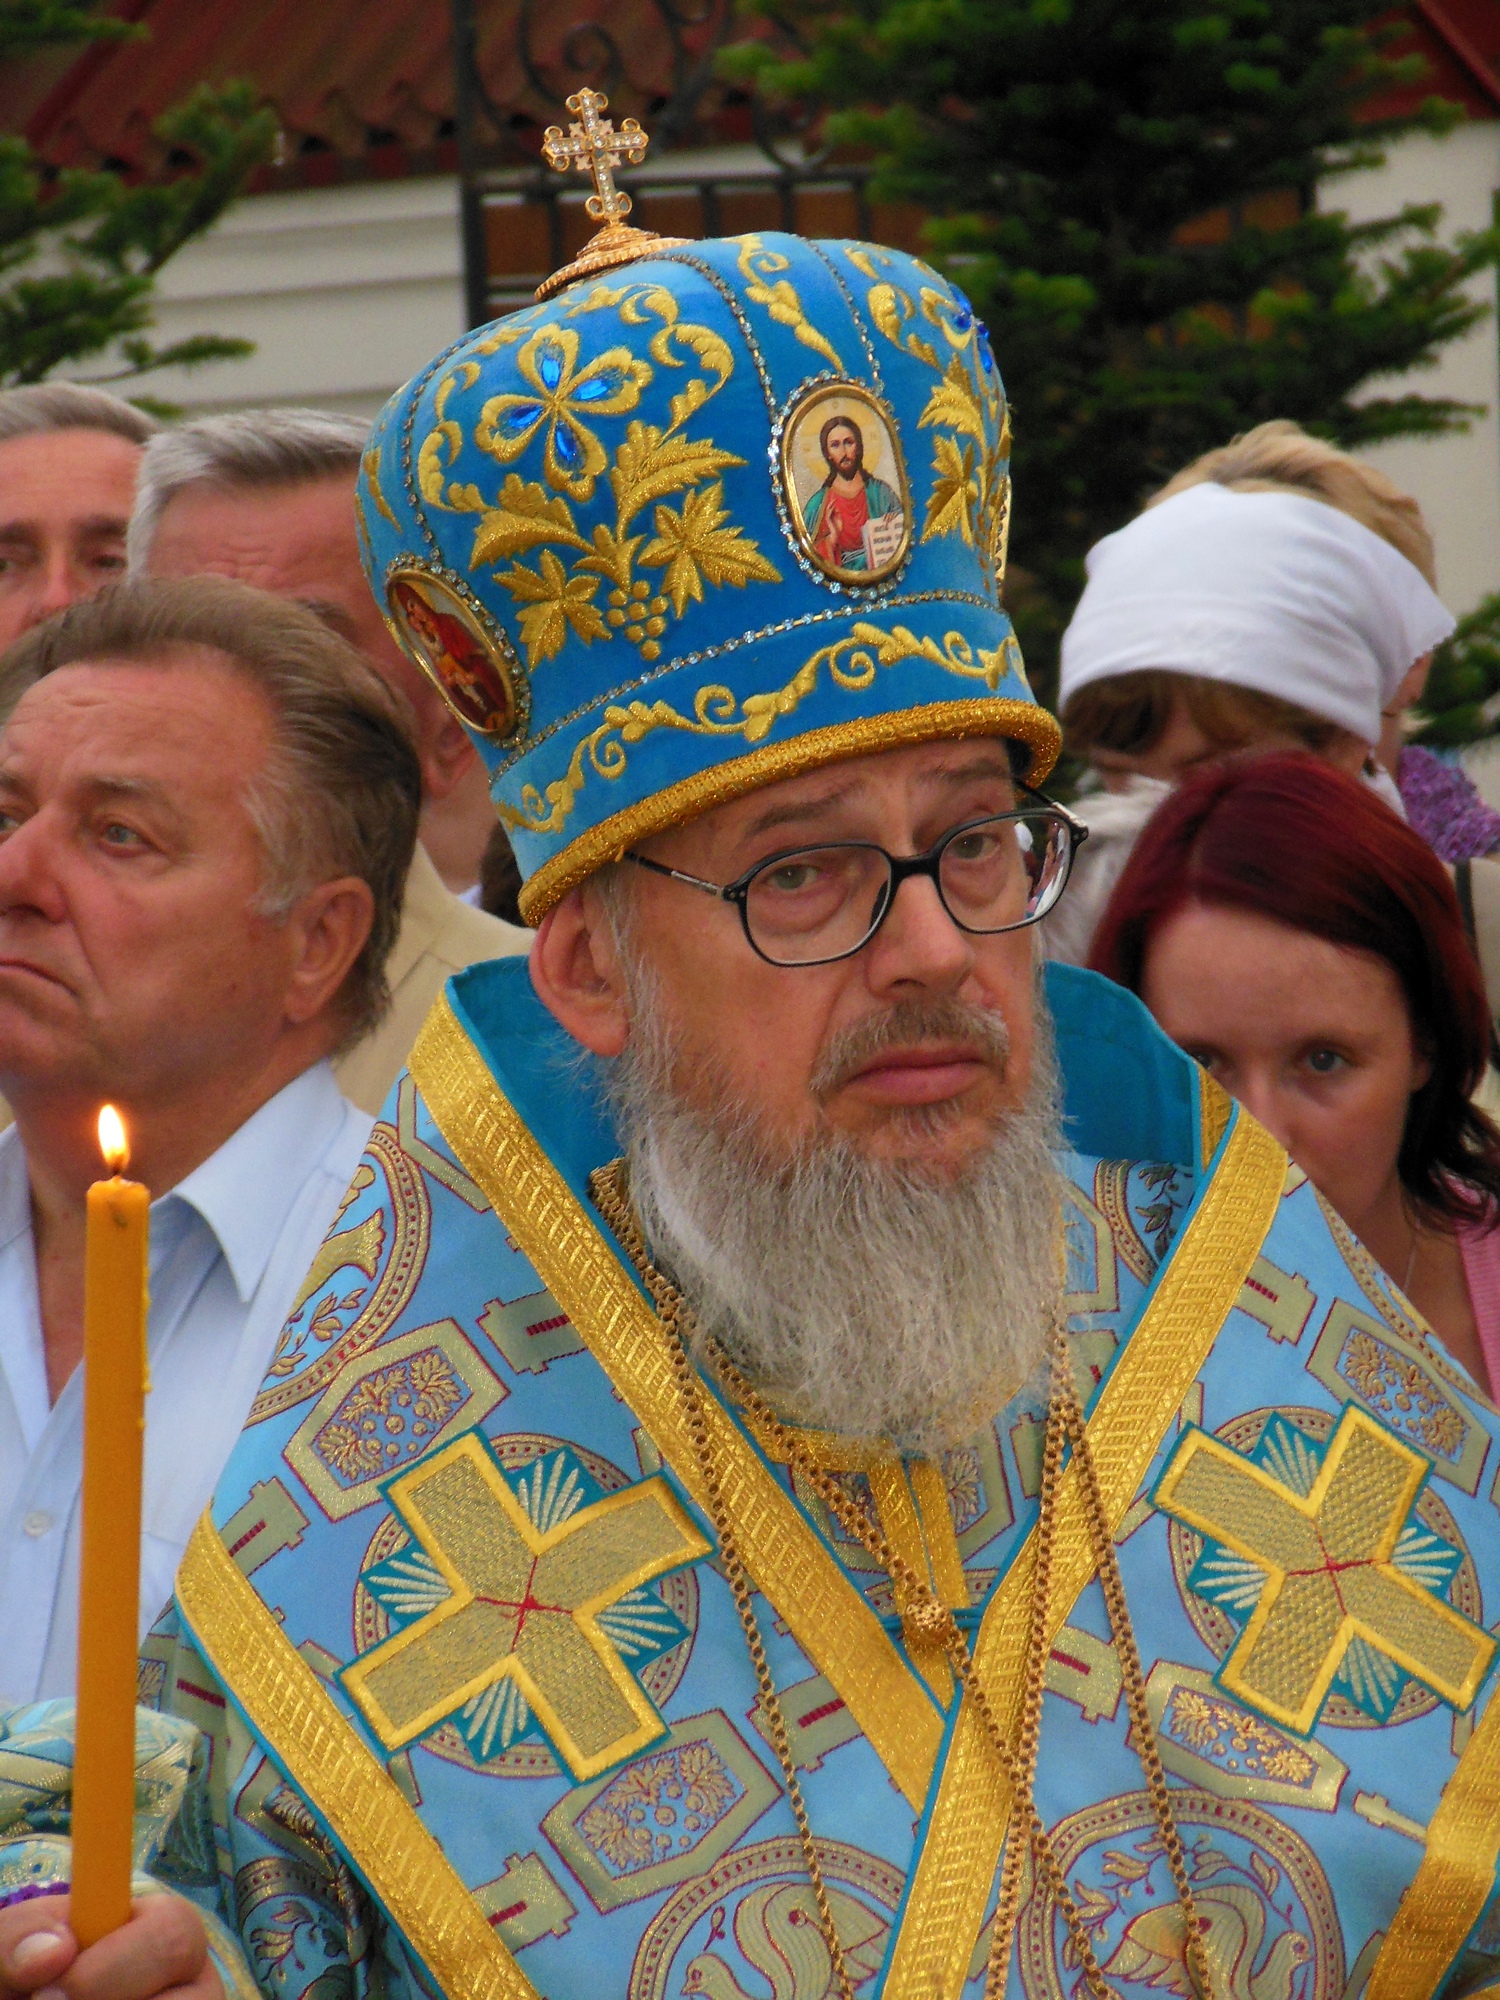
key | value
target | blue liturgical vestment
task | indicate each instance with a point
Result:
(481, 1715)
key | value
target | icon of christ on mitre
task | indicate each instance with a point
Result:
(852, 1468)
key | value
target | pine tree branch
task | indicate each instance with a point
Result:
(79, 249)
(1093, 170)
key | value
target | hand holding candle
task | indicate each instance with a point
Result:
(114, 1392)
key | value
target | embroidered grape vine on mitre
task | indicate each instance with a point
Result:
(566, 581)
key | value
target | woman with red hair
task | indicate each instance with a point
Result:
(1299, 940)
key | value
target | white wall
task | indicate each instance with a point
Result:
(1456, 479)
(345, 291)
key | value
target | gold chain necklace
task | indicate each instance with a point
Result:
(924, 1615)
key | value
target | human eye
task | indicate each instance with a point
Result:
(791, 877)
(975, 844)
(110, 561)
(799, 894)
(121, 838)
(1325, 1061)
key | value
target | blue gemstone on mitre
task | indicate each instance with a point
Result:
(549, 363)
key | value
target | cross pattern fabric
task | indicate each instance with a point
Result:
(523, 1605)
(1329, 1574)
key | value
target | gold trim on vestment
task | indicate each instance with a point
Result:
(1454, 1881)
(934, 722)
(901, 1524)
(1215, 1104)
(827, 1616)
(955, 1868)
(931, 1490)
(908, 1517)
(340, 1778)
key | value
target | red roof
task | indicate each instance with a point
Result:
(366, 84)
(1461, 41)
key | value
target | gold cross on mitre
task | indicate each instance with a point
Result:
(524, 1603)
(591, 145)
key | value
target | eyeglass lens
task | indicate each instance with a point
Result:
(822, 902)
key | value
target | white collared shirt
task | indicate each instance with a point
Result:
(230, 1246)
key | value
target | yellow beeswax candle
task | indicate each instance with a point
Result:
(114, 1416)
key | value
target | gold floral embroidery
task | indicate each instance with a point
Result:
(563, 393)
(852, 662)
(694, 543)
(423, 1392)
(621, 1825)
(890, 308)
(1385, 1379)
(759, 267)
(553, 603)
(353, 1457)
(971, 489)
(966, 463)
(1211, 1726)
(370, 465)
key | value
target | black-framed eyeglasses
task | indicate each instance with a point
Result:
(815, 905)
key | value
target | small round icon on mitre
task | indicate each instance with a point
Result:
(461, 650)
(845, 483)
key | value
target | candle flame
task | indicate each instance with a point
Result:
(113, 1143)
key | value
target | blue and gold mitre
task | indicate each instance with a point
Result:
(734, 511)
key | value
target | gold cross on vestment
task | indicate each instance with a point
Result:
(1329, 1574)
(524, 1605)
(591, 145)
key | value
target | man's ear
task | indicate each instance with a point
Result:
(449, 755)
(328, 928)
(578, 975)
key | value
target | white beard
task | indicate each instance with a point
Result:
(868, 1298)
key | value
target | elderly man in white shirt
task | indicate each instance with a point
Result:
(208, 806)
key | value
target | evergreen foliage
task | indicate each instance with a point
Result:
(1461, 702)
(80, 250)
(1076, 157)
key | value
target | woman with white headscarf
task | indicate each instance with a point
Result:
(1276, 594)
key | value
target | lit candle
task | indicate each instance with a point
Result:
(114, 1416)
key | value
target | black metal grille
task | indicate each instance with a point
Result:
(520, 221)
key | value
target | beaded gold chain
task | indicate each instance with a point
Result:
(924, 1615)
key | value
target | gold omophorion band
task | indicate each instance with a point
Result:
(1444, 1898)
(827, 1616)
(956, 1867)
(329, 1764)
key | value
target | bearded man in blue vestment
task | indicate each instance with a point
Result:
(807, 1465)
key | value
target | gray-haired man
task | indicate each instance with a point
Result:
(267, 497)
(68, 462)
(208, 806)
